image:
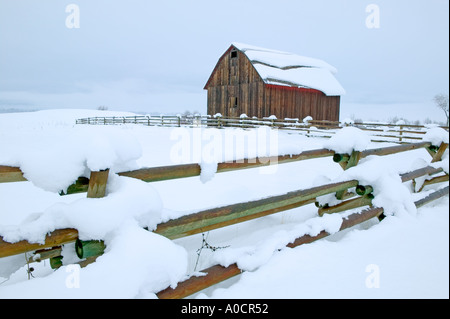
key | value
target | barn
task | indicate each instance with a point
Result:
(261, 82)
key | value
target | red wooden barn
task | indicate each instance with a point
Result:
(261, 82)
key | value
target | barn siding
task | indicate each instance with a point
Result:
(289, 102)
(237, 78)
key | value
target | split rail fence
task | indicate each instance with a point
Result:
(351, 195)
(399, 133)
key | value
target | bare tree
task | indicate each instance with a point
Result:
(441, 101)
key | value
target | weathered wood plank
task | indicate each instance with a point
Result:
(394, 149)
(433, 196)
(195, 223)
(190, 170)
(55, 238)
(97, 184)
(231, 214)
(154, 174)
(214, 275)
(62, 236)
(346, 205)
(441, 150)
(434, 180)
(10, 174)
(428, 170)
(217, 273)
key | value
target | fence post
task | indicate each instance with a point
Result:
(96, 189)
(97, 184)
(436, 154)
(440, 151)
(347, 161)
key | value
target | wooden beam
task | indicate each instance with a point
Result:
(353, 160)
(433, 196)
(394, 149)
(59, 237)
(346, 205)
(97, 184)
(152, 174)
(231, 214)
(347, 222)
(218, 273)
(438, 156)
(214, 275)
(383, 151)
(434, 180)
(42, 254)
(420, 172)
(346, 161)
(55, 238)
(199, 222)
(10, 174)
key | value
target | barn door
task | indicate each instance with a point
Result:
(233, 101)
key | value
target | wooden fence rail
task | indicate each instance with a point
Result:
(380, 132)
(213, 218)
(235, 213)
(8, 174)
(217, 273)
(152, 174)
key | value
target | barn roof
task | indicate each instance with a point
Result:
(288, 69)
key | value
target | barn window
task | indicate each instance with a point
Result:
(235, 102)
(234, 54)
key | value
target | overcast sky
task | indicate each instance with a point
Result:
(156, 56)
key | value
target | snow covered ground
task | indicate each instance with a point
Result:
(404, 256)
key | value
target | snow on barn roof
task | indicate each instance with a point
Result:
(284, 68)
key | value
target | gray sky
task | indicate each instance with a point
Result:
(155, 56)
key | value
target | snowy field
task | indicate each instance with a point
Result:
(404, 256)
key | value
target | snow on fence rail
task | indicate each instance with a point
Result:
(218, 273)
(346, 194)
(401, 133)
(240, 212)
(161, 173)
